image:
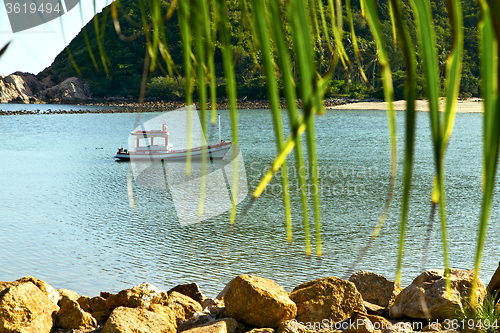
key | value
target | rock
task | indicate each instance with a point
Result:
(375, 309)
(19, 87)
(96, 306)
(69, 294)
(198, 319)
(243, 329)
(46, 288)
(364, 323)
(328, 298)
(433, 327)
(70, 89)
(25, 308)
(137, 320)
(220, 296)
(189, 289)
(184, 307)
(215, 307)
(258, 301)
(71, 316)
(225, 325)
(400, 327)
(379, 322)
(262, 330)
(361, 325)
(164, 311)
(429, 290)
(212, 309)
(4, 285)
(375, 288)
(140, 295)
(105, 294)
(292, 326)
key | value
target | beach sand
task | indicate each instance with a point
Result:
(474, 105)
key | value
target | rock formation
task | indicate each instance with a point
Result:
(19, 87)
(27, 88)
(71, 316)
(426, 297)
(25, 308)
(326, 298)
(258, 301)
(137, 320)
(375, 288)
(189, 289)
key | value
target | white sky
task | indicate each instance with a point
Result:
(34, 49)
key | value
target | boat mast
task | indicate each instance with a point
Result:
(220, 139)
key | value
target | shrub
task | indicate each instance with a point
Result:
(168, 88)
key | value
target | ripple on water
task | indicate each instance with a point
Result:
(66, 216)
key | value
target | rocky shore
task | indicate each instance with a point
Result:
(366, 303)
(130, 106)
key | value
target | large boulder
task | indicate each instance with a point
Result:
(258, 301)
(328, 298)
(189, 289)
(426, 297)
(140, 295)
(47, 289)
(137, 320)
(72, 317)
(375, 288)
(96, 306)
(25, 308)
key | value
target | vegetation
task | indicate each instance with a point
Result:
(124, 54)
(481, 317)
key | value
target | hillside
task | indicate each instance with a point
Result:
(125, 59)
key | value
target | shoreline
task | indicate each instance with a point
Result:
(365, 303)
(473, 105)
(124, 106)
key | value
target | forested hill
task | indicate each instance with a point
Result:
(124, 57)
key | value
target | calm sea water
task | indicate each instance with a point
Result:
(65, 215)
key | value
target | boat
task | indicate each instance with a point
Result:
(165, 151)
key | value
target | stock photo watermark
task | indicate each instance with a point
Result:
(363, 324)
(27, 14)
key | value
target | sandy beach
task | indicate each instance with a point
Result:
(473, 105)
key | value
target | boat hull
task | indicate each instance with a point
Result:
(213, 152)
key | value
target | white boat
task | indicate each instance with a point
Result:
(164, 151)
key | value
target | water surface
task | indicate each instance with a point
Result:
(65, 213)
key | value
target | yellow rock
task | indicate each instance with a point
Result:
(258, 301)
(24, 308)
(137, 320)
